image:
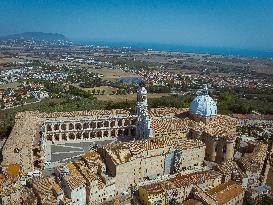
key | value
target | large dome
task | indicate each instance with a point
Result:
(203, 105)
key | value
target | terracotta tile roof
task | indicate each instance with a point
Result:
(46, 190)
(220, 125)
(230, 167)
(253, 117)
(226, 192)
(74, 182)
(74, 178)
(194, 178)
(153, 189)
(124, 152)
(254, 161)
(166, 111)
(192, 202)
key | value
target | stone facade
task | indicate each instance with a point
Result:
(132, 163)
(218, 149)
(229, 193)
(176, 190)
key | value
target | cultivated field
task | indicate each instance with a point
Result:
(128, 97)
(108, 90)
(113, 74)
(9, 85)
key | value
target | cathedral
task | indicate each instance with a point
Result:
(165, 155)
(43, 131)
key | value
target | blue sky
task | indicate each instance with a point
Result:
(244, 24)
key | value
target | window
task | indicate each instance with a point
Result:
(225, 149)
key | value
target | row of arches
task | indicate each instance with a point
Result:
(89, 125)
(90, 135)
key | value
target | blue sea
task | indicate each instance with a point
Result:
(189, 49)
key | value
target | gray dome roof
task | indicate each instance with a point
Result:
(203, 105)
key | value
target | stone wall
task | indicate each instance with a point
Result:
(218, 149)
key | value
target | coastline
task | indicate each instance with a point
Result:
(182, 48)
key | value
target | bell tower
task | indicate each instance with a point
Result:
(142, 103)
(144, 122)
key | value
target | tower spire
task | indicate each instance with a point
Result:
(142, 103)
(205, 90)
(144, 122)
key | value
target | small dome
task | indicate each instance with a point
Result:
(142, 91)
(203, 105)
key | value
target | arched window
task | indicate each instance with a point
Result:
(48, 128)
(100, 124)
(85, 125)
(93, 125)
(112, 124)
(120, 132)
(56, 127)
(64, 137)
(56, 137)
(71, 136)
(106, 124)
(71, 126)
(63, 126)
(85, 135)
(92, 135)
(79, 136)
(99, 134)
(127, 122)
(49, 137)
(120, 123)
(78, 126)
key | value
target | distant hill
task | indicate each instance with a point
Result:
(36, 36)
